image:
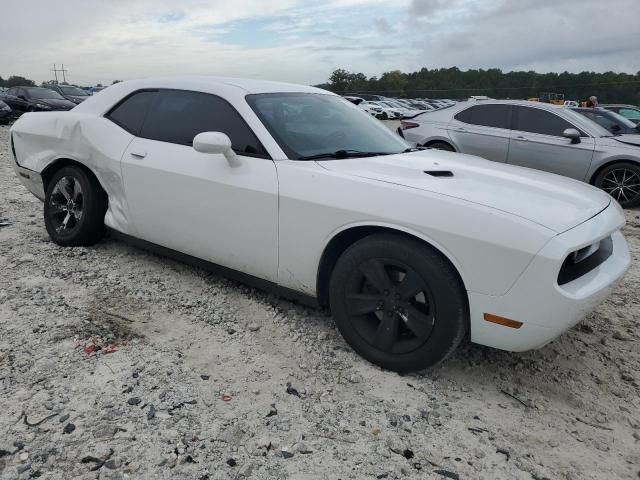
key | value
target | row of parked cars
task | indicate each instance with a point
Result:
(385, 108)
(600, 146)
(15, 101)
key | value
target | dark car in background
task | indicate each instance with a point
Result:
(35, 99)
(630, 112)
(615, 123)
(6, 114)
(71, 93)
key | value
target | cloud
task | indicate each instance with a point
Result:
(304, 40)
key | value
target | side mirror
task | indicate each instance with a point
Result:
(215, 143)
(573, 134)
(615, 128)
(22, 97)
(212, 142)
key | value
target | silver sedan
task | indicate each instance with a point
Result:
(535, 135)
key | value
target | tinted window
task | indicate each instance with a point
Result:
(535, 120)
(131, 112)
(178, 116)
(498, 116)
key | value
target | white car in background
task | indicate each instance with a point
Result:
(291, 188)
(383, 112)
(371, 108)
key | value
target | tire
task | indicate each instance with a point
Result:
(441, 146)
(622, 181)
(385, 116)
(74, 207)
(378, 312)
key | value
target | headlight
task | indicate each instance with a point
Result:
(42, 106)
(5, 108)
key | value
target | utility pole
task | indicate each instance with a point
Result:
(61, 70)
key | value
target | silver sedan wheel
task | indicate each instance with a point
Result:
(622, 184)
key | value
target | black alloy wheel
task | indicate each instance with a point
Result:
(398, 302)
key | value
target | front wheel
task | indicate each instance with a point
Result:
(622, 182)
(74, 207)
(398, 303)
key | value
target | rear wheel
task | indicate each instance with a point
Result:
(622, 182)
(74, 207)
(441, 146)
(398, 303)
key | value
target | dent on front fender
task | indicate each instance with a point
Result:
(42, 139)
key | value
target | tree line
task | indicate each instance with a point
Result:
(609, 87)
(16, 81)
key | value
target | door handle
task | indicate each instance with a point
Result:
(138, 155)
(521, 139)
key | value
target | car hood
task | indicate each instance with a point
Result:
(555, 202)
(76, 99)
(633, 140)
(54, 102)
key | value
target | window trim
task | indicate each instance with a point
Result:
(514, 119)
(266, 155)
(510, 122)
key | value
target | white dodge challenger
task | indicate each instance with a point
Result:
(296, 189)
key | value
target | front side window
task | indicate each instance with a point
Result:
(312, 124)
(131, 112)
(491, 115)
(536, 120)
(177, 116)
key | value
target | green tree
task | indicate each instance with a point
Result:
(17, 81)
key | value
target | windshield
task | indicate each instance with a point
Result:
(74, 91)
(308, 124)
(614, 117)
(585, 123)
(43, 93)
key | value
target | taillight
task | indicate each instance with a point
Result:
(408, 125)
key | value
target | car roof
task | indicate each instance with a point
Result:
(206, 82)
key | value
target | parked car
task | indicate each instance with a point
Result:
(613, 122)
(571, 103)
(401, 111)
(71, 93)
(354, 100)
(5, 113)
(535, 135)
(373, 109)
(630, 112)
(388, 112)
(291, 188)
(35, 99)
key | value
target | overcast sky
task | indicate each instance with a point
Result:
(304, 41)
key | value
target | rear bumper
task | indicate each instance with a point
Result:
(545, 308)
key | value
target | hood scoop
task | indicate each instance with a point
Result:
(439, 173)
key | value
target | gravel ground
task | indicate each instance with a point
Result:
(116, 363)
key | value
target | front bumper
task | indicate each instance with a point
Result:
(545, 308)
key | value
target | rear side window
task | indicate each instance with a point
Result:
(178, 116)
(536, 120)
(131, 112)
(497, 116)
